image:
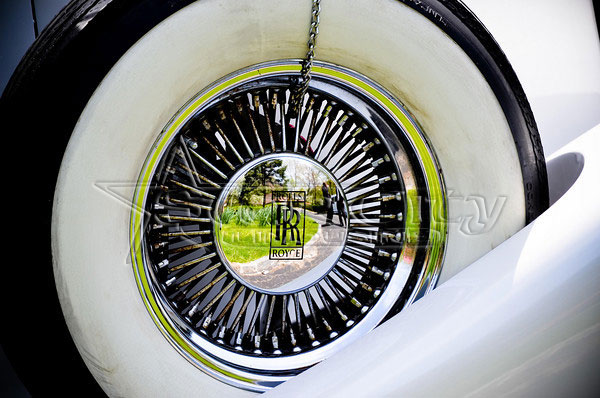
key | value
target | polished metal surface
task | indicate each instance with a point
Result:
(237, 164)
(298, 238)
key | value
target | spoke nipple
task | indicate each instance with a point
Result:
(191, 143)
(356, 303)
(170, 281)
(394, 257)
(311, 335)
(398, 236)
(400, 216)
(206, 321)
(368, 146)
(238, 106)
(342, 120)
(357, 131)
(376, 293)
(238, 340)
(383, 253)
(398, 196)
(159, 245)
(366, 287)
(386, 276)
(387, 235)
(163, 263)
(192, 311)
(256, 101)
(342, 315)
(377, 162)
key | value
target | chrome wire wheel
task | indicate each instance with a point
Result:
(256, 329)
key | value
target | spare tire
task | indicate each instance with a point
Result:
(109, 90)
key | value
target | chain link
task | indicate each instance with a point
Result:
(304, 80)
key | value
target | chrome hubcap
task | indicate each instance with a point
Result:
(268, 240)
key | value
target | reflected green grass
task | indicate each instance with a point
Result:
(245, 243)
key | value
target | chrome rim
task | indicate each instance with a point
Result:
(388, 182)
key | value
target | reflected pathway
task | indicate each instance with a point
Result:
(271, 274)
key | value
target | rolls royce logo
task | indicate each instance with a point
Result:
(288, 213)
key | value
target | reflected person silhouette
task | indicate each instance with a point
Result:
(341, 210)
(327, 203)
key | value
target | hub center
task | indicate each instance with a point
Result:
(281, 223)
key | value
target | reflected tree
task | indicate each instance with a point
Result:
(261, 180)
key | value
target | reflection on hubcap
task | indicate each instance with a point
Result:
(263, 241)
(275, 224)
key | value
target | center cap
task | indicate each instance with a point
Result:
(281, 223)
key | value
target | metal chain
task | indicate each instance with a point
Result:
(302, 85)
